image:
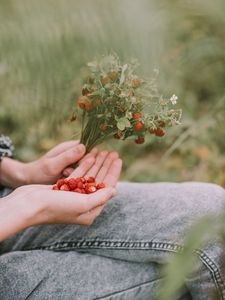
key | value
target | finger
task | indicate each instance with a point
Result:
(78, 204)
(83, 168)
(113, 173)
(61, 161)
(93, 153)
(67, 172)
(97, 199)
(89, 217)
(98, 164)
(33, 186)
(61, 148)
(106, 165)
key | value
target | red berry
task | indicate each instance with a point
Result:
(55, 188)
(83, 191)
(90, 184)
(81, 103)
(77, 190)
(101, 185)
(80, 185)
(91, 179)
(60, 182)
(103, 127)
(90, 189)
(137, 115)
(162, 124)
(72, 183)
(64, 187)
(159, 132)
(136, 83)
(82, 179)
(139, 126)
(140, 140)
(88, 106)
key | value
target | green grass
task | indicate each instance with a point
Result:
(45, 45)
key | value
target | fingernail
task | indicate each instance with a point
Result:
(114, 192)
(80, 148)
(66, 173)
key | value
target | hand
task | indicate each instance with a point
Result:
(45, 170)
(38, 204)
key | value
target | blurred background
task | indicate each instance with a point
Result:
(44, 48)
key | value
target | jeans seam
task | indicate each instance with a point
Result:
(128, 289)
(137, 245)
(214, 271)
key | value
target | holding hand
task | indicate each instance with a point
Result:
(45, 170)
(39, 204)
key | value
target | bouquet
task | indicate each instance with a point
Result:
(118, 103)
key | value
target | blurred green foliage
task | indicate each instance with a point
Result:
(45, 45)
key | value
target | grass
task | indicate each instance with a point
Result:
(45, 45)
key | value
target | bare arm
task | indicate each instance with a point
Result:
(39, 204)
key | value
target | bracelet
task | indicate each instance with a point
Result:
(6, 147)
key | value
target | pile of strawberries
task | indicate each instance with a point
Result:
(78, 185)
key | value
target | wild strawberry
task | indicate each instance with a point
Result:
(113, 75)
(90, 179)
(77, 190)
(88, 106)
(104, 80)
(152, 130)
(159, 132)
(80, 185)
(103, 127)
(162, 124)
(137, 115)
(85, 91)
(64, 187)
(90, 189)
(82, 179)
(60, 182)
(55, 188)
(90, 184)
(130, 93)
(139, 126)
(81, 103)
(72, 183)
(136, 83)
(140, 140)
(101, 185)
(117, 136)
(83, 191)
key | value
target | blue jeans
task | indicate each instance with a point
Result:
(120, 254)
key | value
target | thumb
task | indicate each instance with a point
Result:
(100, 198)
(68, 157)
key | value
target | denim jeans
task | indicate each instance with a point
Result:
(120, 254)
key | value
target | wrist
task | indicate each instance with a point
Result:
(16, 214)
(12, 173)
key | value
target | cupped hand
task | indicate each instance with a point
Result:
(42, 205)
(54, 164)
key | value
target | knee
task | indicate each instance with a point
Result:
(204, 198)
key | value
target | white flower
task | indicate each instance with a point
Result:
(173, 99)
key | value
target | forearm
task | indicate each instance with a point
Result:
(12, 173)
(14, 216)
